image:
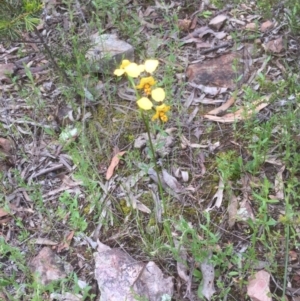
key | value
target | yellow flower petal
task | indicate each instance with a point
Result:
(151, 65)
(161, 113)
(144, 81)
(155, 116)
(132, 70)
(162, 108)
(163, 117)
(142, 68)
(119, 72)
(145, 103)
(124, 64)
(158, 94)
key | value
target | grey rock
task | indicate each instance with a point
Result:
(217, 22)
(107, 53)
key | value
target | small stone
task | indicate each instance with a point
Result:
(217, 72)
(108, 52)
(274, 46)
(217, 22)
(258, 287)
(257, 41)
(48, 86)
(47, 267)
(266, 26)
(251, 26)
(184, 25)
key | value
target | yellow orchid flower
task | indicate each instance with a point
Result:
(121, 71)
(133, 70)
(145, 84)
(161, 113)
(151, 65)
(145, 103)
(158, 94)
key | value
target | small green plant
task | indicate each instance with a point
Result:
(205, 14)
(17, 15)
(202, 244)
(16, 259)
(230, 165)
(293, 17)
(69, 211)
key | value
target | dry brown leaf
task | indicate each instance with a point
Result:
(274, 46)
(5, 156)
(223, 107)
(114, 163)
(190, 99)
(266, 26)
(201, 161)
(182, 264)
(207, 89)
(232, 208)
(241, 114)
(3, 212)
(217, 199)
(293, 255)
(3, 297)
(184, 24)
(142, 207)
(171, 181)
(6, 70)
(279, 185)
(5, 146)
(245, 211)
(44, 241)
(194, 22)
(208, 274)
(66, 297)
(200, 45)
(149, 10)
(4, 216)
(66, 243)
(13, 207)
(186, 143)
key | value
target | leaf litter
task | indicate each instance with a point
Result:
(41, 161)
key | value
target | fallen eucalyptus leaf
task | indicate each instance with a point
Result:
(185, 176)
(218, 196)
(279, 184)
(241, 114)
(171, 181)
(114, 163)
(44, 241)
(208, 274)
(232, 207)
(182, 267)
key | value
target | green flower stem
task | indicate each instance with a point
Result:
(134, 88)
(288, 214)
(160, 188)
(146, 122)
